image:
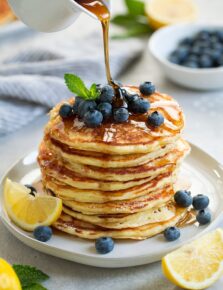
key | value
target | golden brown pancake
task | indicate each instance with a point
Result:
(86, 230)
(132, 137)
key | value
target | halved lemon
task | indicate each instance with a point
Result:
(8, 277)
(28, 211)
(198, 264)
(166, 12)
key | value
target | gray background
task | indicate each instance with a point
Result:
(204, 115)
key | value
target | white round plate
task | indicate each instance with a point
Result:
(202, 170)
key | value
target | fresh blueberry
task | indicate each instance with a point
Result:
(182, 53)
(174, 58)
(66, 111)
(33, 191)
(219, 62)
(93, 118)
(203, 35)
(107, 94)
(196, 50)
(121, 115)
(86, 106)
(183, 198)
(78, 101)
(191, 64)
(105, 109)
(186, 41)
(193, 58)
(147, 88)
(203, 217)
(139, 106)
(200, 201)
(172, 234)
(156, 119)
(131, 97)
(104, 245)
(43, 233)
(219, 34)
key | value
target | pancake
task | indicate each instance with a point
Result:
(153, 215)
(138, 204)
(70, 155)
(66, 192)
(150, 169)
(132, 137)
(86, 230)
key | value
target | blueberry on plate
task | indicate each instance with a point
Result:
(93, 118)
(43, 233)
(107, 94)
(200, 201)
(86, 106)
(147, 88)
(183, 198)
(219, 62)
(203, 217)
(105, 109)
(182, 52)
(78, 101)
(186, 41)
(156, 119)
(172, 234)
(66, 111)
(139, 106)
(33, 191)
(120, 115)
(104, 245)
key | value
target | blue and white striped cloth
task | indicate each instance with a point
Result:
(32, 66)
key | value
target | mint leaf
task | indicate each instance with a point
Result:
(137, 30)
(34, 287)
(29, 275)
(135, 7)
(76, 85)
(94, 91)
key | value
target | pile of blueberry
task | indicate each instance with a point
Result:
(204, 50)
(113, 105)
(200, 203)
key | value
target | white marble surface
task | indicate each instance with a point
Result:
(204, 112)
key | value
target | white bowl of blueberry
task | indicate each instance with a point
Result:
(190, 55)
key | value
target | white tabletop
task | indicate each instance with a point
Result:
(204, 115)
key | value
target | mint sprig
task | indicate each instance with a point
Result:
(134, 21)
(76, 85)
(30, 277)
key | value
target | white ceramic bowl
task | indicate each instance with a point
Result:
(165, 40)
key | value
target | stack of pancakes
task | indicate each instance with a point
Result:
(115, 180)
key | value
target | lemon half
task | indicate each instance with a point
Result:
(8, 277)
(28, 211)
(198, 264)
(166, 12)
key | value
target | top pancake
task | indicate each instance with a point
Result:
(134, 136)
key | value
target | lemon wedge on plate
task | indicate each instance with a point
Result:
(166, 12)
(8, 277)
(28, 211)
(198, 264)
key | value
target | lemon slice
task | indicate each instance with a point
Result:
(198, 264)
(166, 12)
(29, 211)
(8, 277)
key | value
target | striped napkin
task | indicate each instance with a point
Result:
(32, 66)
